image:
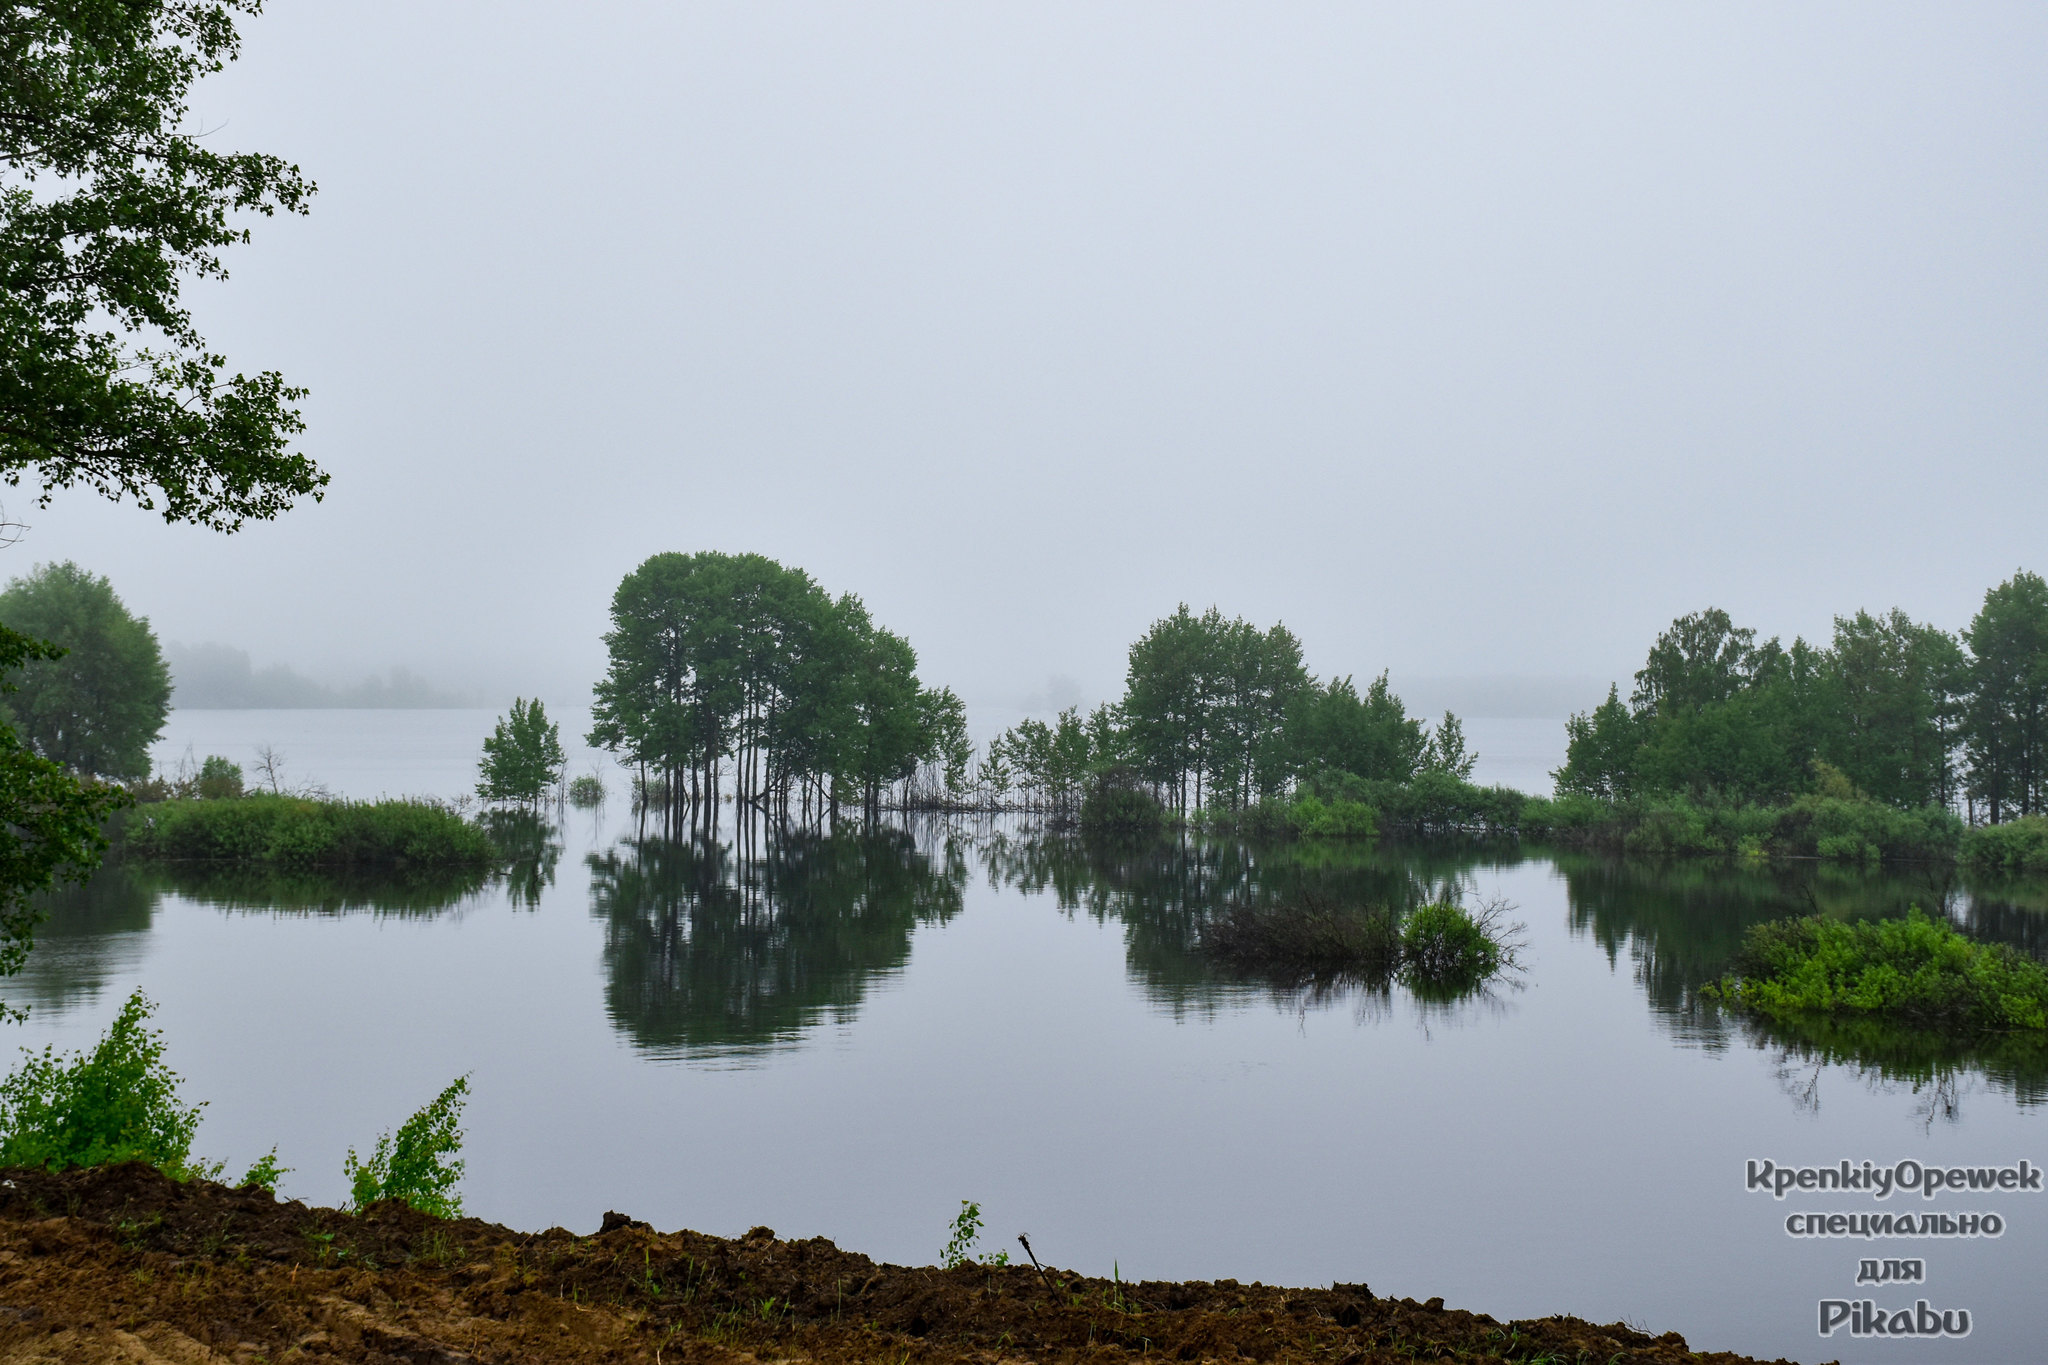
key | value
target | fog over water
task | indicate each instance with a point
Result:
(1466, 340)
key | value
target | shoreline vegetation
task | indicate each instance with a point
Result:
(108, 1256)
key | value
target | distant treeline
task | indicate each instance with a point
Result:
(1910, 715)
(220, 677)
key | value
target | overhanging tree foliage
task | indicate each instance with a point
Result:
(111, 201)
(108, 203)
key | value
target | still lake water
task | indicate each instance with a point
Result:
(846, 1037)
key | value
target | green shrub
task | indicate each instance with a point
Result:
(417, 1165)
(1444, 945)
(118, 1102)
(265, 1173)
(1857, 829)
(1565, 816)
(1840, 828)
(295, 831)
(522, 757)
(219, 779)
(586, 791)
(1313, 818)
(2016, 846)
(1917, 971)
(1115, 804)
(1432, 801)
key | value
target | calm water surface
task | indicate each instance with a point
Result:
(848, 1036)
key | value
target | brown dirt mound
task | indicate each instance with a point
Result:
(122, 1264)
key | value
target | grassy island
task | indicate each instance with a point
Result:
(1917, 972)
(302, 832)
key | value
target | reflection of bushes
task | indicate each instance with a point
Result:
(416, 891)
(1305, 942)
(1683, 921)
(1929, 1061)
(1441, 949)
(1172, 896)
(527, 843)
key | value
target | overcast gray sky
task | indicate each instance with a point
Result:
(1465, 339)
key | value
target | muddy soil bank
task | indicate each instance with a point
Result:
(121, 1264)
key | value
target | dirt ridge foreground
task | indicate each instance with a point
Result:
(121, 1264)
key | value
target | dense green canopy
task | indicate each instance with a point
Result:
(97, 706)
(718, 658)
(1902, 712)
(1218, 714)
(111, 201)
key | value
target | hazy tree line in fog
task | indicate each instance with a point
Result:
(219, 676)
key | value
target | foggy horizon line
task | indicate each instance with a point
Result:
(213, 675)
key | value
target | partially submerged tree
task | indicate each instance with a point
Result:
(523, 757)
(734, 669)
(2005, 723)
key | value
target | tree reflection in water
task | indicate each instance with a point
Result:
(1680, 922)
(717, 950)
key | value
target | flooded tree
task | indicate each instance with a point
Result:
(732, 669)
(1892, 711)
(523, 757)
(2005, 723)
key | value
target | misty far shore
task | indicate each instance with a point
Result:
(221, 677)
